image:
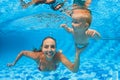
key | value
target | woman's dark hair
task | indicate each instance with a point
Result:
(40, 50)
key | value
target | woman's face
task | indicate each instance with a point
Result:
(49, 48)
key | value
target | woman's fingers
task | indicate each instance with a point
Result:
(9, 64)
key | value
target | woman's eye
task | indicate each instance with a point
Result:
(74, 21)
(52, 46)
(46, 46)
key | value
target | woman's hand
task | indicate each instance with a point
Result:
(10, 64)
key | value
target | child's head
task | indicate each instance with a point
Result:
(81, 17)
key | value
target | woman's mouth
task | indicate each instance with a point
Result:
(49, 53)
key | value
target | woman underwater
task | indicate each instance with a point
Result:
(48, 58)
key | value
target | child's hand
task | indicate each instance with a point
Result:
(93, 33)
(10, 64)
(63, 25)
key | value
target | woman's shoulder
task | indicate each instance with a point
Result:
(57, 57)
(60, 57)
(39, 54)
(58, 54)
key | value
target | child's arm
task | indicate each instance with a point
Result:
(93, 33)
(67, 28)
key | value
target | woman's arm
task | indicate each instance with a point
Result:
(72, 66)
(29, 54)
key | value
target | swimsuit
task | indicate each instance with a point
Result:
(39, 69)
(55, 67)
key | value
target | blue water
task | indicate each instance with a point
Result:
(24, 29)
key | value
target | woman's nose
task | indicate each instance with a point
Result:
(49, 48)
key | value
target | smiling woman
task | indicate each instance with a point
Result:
(48, 58)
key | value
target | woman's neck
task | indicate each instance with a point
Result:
(49, 59)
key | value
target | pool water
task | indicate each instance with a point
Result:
(24, 29)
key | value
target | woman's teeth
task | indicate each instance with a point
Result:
(49, 53)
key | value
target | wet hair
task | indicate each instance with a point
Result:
(88, 19)
(40, 50)
(47, 38)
